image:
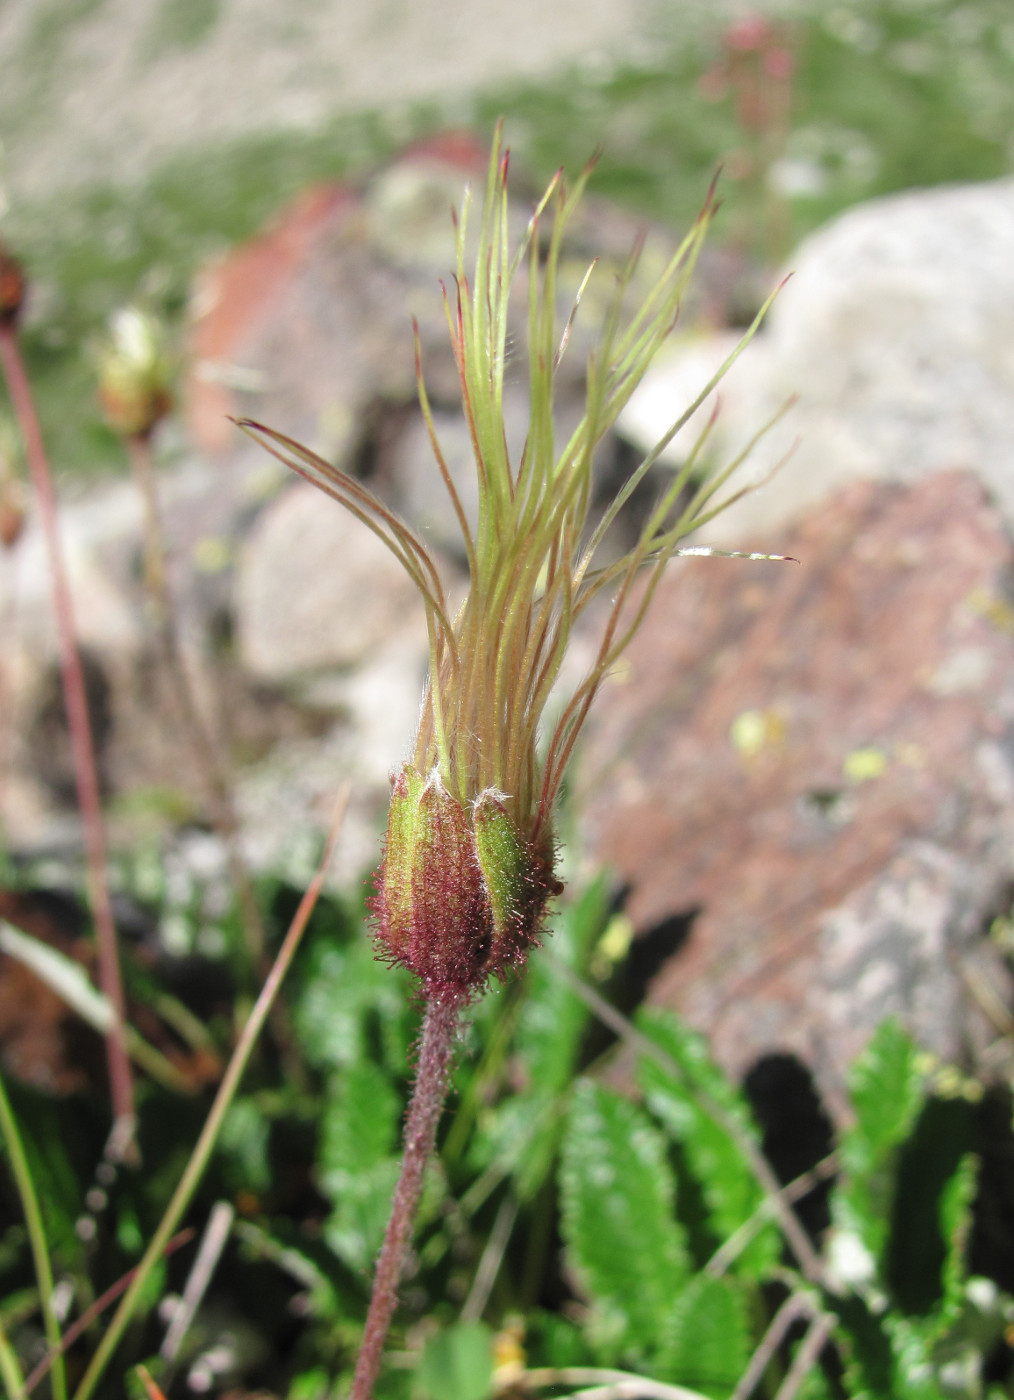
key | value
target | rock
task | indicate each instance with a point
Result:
(308, 324)
(97, 535)
(894, 332)
(682, 371)
(316, 589)
(807, 773)
(234, 301)
(416, 486)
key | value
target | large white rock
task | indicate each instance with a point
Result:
(895, 332)
(316, 590)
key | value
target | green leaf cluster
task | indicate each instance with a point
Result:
(573, 1224)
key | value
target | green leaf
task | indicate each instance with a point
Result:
(955, 1224)
(553, 1340)
(525, 1130)
(622, 1238)
(358, 1167)
(355, 1228)
(716, 1159)
(47, 1129)
(887, 1089)
(887, 1355)
(347, 1001)
(458, 1364)
(914, 1374)
(709, 1346)
(245, 1138)
(865, 1350)
(314, 1384)
(553, 1017)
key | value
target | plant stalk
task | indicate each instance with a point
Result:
(82, 746)
(40, 1254)
(436, 1046)
(205, 1145)
(205, 744)
(196, 730)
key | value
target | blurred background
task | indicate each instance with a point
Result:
(793, 814)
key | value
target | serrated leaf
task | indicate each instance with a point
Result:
(523, 1132)
(348, 998)
(553, 1017)
(887, 1090)
(618, 1221)
(556, 1340)
(360, 1121)
(915, 1377)
(955, 1224)
(923, 1170)
(457, 1364)
(815, 1386)
(709, 1345)
(357, 1161)
(865, 1350)
(43, 1128)
(355, 1228)
(728, 1185)
(245, 1138)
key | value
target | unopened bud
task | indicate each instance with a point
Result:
(12, 288)
(460, 893)
(134, 375)
(12, 518)
(12, 491)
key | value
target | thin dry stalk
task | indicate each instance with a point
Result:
(216, 1233)
(606, 1384)
(96, 1308)
(796, 1306)
(82, 746)
(796, 1190)
(807, 1356)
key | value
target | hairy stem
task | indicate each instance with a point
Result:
(82, 746)
(436, 1046)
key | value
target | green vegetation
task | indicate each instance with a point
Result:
(567, 1227)
(578, 1228)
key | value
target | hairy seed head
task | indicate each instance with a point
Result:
(461, 893)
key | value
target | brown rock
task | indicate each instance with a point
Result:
(818, 763)
(237, 298)
(306, 325)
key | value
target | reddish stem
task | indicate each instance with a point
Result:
(437, 1044)
(82, 747)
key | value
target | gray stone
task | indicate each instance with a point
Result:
(894, 331)
(315, 589)
(417, 486)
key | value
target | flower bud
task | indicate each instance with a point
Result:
(460, 892)
(134, 375)
(12, 288)
(12, 492)
(12, 516)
